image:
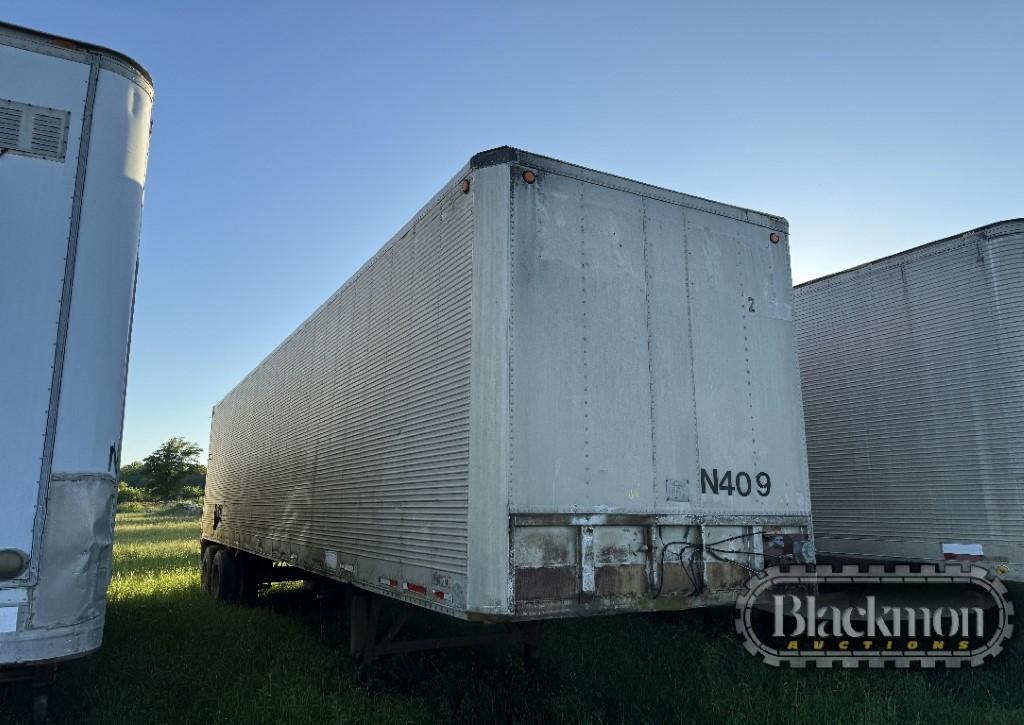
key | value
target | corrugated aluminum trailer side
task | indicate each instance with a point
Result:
(74, 138)
(554, 392)
(913, 381)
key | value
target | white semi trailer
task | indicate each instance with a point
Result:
(74, 139)
(555, 392)
(913, 386)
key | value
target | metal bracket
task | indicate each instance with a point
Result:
(588, 583)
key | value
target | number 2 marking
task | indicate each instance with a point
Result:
(751, 301)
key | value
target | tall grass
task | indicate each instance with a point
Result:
(173, 655)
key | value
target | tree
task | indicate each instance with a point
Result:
(166, 468)
(134, 474)
(195, 476)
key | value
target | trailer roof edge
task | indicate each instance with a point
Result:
(888, 257)
(70, 44)
(511, 155)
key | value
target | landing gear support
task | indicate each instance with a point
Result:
(42, 678)
(365, 645)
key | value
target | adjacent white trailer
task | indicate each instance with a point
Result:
(554, 392)
(74, 138)
(913, 382)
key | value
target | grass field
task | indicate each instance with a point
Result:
(173, 655)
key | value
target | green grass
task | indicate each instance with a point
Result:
(173, 655)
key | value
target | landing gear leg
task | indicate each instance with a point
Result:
(365, 646)
(43, 678)
(530, 634)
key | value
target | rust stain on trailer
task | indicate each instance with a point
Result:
(547, 582)
(627, 579)
(676, 580)
(721, 575)
(616, 553)
(554, 551)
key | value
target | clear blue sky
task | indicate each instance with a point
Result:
(292, 139)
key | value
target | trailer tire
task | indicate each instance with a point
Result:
(224, 579)
(206, 567)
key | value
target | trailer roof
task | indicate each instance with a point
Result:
(509, 154)
(58, 41)
(917, 248)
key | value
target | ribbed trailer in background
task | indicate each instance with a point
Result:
(913, 388)
(554, 392)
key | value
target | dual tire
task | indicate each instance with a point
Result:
(229, 575)
(207, 565)
(224, 576)
(220, 574)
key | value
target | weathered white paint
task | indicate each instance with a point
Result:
(580, 346)
(59, 461)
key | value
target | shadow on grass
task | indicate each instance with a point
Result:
(172, 654)
(686, 666)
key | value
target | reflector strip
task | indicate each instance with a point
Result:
(388, 582)
(416, 588)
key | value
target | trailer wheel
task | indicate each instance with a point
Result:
(224, 579)
(206, 568)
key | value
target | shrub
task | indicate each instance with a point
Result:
(192, 493)
(129, 494)
(131, 507)
(188, 509)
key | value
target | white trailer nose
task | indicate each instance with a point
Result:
(74, 139)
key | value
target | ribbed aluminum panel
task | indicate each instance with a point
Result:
(353, 436)
(913, 388)
(526, 346)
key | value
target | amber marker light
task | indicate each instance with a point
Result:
(529, 177)
(465, 186)
(774, 237)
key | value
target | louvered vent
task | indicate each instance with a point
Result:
(33, 130)
(10, 126)
(48, 134)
